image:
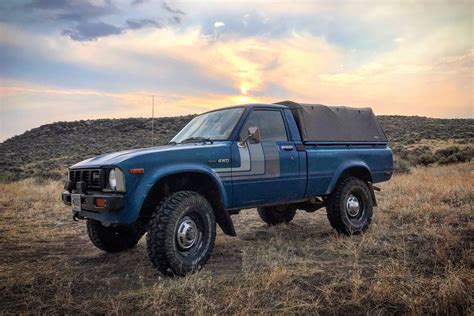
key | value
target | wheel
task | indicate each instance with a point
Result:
(181, 233)
(349, 206)
(114, 238)
(274, 215)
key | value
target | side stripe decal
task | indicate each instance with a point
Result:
(256, 161)
(245, 162)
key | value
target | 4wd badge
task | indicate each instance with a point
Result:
(222, 160)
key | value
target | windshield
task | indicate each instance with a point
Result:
(215, 125)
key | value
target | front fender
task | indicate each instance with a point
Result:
(149, 180)
(343, 167)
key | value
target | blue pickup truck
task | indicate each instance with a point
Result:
(278, 158)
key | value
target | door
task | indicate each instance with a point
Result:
(268, 171)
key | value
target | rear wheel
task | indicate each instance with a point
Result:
(274, 215)
(114, 238)
(350, 206)
(181, 233)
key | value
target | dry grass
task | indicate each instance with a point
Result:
(416, 258)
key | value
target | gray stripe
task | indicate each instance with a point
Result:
(270, 161)
(245, 163)
(260, 161)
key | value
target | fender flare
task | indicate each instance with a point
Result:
(222, 216)
(340, 170)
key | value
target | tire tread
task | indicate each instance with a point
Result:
(113, 239)
(335, 214)
(272, 217)
(159, 244)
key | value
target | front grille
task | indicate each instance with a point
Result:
(91, 177)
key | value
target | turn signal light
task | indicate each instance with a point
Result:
(100, 202)
(137, 171)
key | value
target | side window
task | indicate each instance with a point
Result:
(270, 123)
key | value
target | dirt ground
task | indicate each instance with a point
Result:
(417, 257)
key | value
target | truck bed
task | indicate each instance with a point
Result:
(326, 161)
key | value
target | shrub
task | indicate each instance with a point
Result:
(453, 154)
(401, 165)
(427, 159)
(448, 151)
(7, 176)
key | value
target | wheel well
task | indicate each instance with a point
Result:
(358, 172)
(190, 181)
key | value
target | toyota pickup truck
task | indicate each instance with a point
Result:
(277, 158)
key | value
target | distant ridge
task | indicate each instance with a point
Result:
(46, 151)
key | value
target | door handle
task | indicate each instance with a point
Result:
(287, 147)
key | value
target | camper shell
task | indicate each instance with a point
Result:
(322, 123)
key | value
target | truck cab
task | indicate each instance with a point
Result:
(277, 158)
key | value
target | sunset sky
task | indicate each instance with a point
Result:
(65, 60)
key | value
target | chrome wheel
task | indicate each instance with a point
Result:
(352, 206)
(187, 234)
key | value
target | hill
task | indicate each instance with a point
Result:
(46, 151)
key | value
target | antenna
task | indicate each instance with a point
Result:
(152, 120)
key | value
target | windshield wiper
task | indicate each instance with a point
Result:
(172, 143)
(196, 139)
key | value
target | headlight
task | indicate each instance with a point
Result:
(112, 179)
(116, 180)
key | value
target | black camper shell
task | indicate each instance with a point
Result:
(341, 124)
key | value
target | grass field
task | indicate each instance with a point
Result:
(417, 257)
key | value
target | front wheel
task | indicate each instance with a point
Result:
(114, 238)
(274, 215)
(181, 233)
(350, 206)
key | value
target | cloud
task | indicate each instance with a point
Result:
(417, 77)
(219, 24)
(87, 20)
(399, 40)
(138, 2)
(91, 31)
(175, 20)
(171, 10)
(152, 58)
(73, 10)
(138, 24)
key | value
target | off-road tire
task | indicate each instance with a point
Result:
(162, 239)
(338, 210)
(274, 215)
(114, 238)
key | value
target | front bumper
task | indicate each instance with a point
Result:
(113, 201)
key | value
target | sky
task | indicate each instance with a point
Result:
(64, 60)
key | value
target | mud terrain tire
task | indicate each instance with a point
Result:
(274, 215)
(182, 231)
(114, 238)
(350, 206)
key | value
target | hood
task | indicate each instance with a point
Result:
(113, 159)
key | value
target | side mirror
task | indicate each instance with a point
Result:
(253, 136)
